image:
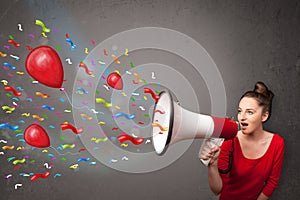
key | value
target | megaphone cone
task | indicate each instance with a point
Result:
(172, 123)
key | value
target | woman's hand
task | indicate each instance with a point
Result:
(210, 151)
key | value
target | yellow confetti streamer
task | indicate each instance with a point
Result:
(126, 52)
(26, 114)
(74, 166)
(19, 161)
(20, 148)
(124, 145)
(44, 35)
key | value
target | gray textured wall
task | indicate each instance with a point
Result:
(248, 40)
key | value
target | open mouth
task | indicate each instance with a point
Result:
(244, 124)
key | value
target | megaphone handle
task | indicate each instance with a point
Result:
(213, 142)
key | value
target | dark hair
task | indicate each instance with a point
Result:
(262, 95)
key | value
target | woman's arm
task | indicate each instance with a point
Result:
(262, 197)
(214, 178)
(273, 179)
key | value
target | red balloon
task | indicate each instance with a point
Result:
(44, 65)
(36, 136)
(115, 81)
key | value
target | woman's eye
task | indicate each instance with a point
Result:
(239, 111)
(250, 112)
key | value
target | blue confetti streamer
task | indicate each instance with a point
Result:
(121, 114)
(83, 159)
(48, 107)
(6, 125)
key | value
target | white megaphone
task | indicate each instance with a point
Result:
(172, 123)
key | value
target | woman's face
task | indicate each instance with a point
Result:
(250, 115)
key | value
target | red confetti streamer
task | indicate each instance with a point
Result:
(29, 48)
(69, 126)
(36, 176)
(82, 149)
(17, 167)
(11, 89)
(154, 96)
(105, 53)
(14, 43)
(161, 112)
(136, 141)
(81, 64)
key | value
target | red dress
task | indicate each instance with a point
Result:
(249, 177)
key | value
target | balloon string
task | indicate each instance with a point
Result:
(66, 94)
(72, 104)
(73, 154)
(84, 106)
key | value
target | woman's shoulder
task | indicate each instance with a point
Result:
(277, 145)
(277, 139)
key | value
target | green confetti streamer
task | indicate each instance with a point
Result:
(132, 99)
(58, 48)
(147, 115)
(11, 37)
(10, 159)
(131, 64)
(101, 62)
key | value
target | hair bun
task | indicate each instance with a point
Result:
(262, 95)
(261, 88)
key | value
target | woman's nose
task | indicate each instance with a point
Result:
(242, 116)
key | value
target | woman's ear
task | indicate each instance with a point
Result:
(264, 116)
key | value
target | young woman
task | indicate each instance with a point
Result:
(249, 166)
